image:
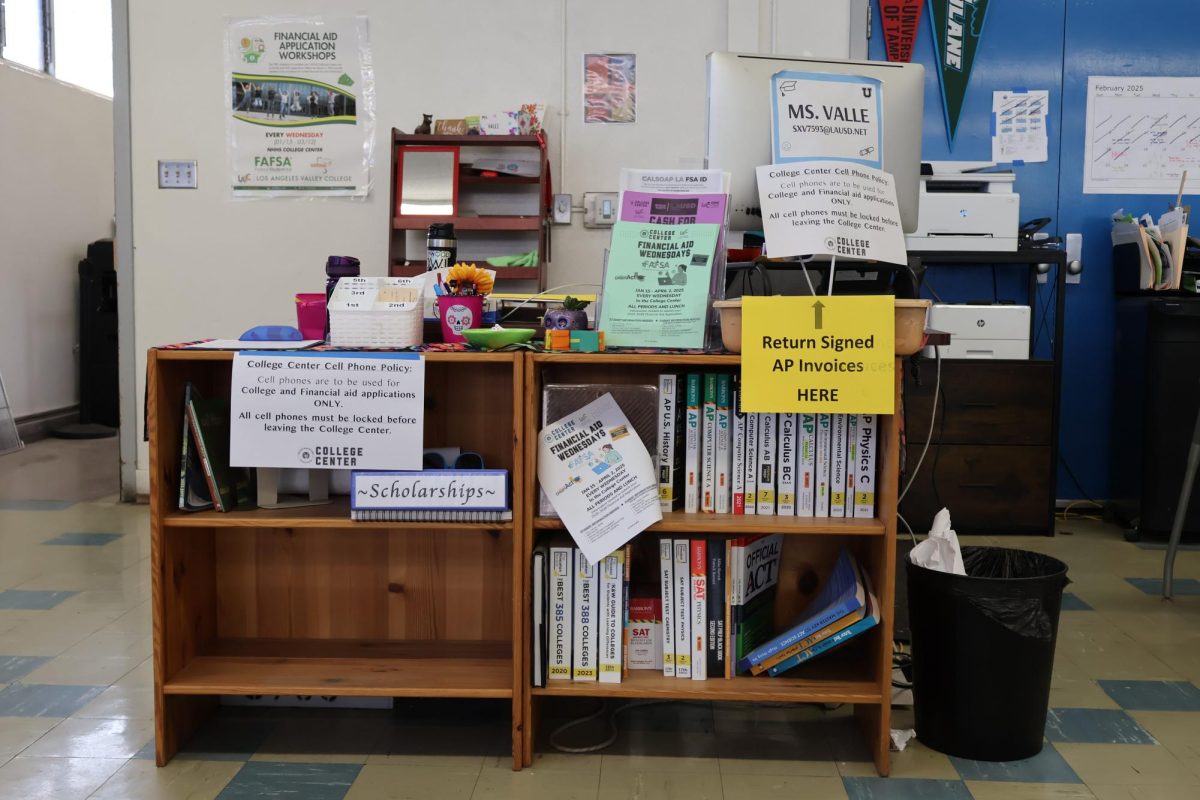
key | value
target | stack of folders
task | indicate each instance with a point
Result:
(580, 614)
(713, 457)
(1149, 255)
(844, 608)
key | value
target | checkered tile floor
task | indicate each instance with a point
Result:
(76, 718)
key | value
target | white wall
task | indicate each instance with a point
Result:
(208, 266)
(56, 195)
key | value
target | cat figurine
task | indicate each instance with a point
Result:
(426, 126)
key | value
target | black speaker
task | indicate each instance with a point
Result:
(98, 370)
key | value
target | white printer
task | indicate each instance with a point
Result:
(962, 208)
(981, 331)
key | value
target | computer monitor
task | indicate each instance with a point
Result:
(738, 124)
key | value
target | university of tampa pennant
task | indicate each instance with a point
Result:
(899, 19)
(957, 28)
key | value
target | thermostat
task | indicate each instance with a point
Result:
(599, 209)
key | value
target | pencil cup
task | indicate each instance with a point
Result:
(458, 313)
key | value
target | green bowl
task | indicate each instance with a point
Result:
(490, 339)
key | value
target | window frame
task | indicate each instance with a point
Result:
(47, 36)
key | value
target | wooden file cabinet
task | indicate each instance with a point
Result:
(990, 459)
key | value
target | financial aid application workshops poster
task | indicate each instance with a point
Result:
(300, 106)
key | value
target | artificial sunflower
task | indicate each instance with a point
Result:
(468, 279)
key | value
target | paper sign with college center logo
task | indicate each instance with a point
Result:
(831, 355)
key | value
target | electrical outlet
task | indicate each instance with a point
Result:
(177, 174)
(562, 209)
(599, 209)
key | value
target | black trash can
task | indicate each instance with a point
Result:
(983, 652)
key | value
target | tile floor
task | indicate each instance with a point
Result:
(76, 717)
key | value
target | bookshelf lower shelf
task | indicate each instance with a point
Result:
(737, 524)
(368, 676)
(652, 685)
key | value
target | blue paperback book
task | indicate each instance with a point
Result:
(840, 595)
(842, 636)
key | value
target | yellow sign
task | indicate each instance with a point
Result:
(830, 355)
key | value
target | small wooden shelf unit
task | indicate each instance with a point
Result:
(481, 231)
(305, 601)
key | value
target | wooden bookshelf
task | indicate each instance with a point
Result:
(858, 673)
(303, 601)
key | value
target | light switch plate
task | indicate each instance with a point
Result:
(562, 209)
(177, 174)
(599, 209)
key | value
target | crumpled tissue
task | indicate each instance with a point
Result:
(940, 550)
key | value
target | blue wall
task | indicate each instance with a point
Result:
(1102, 39)
(1049, 44)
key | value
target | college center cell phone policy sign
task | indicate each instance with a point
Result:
(829, 355)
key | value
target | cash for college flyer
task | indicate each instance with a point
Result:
(656, 285)
(831, 208)
(599, 477)
(819, 116)
(300, 108)
(327, 410)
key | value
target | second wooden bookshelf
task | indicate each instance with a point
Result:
(858, 674)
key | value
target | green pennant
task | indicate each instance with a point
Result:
(957, 29)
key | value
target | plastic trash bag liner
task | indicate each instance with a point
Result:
(1011, 587)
